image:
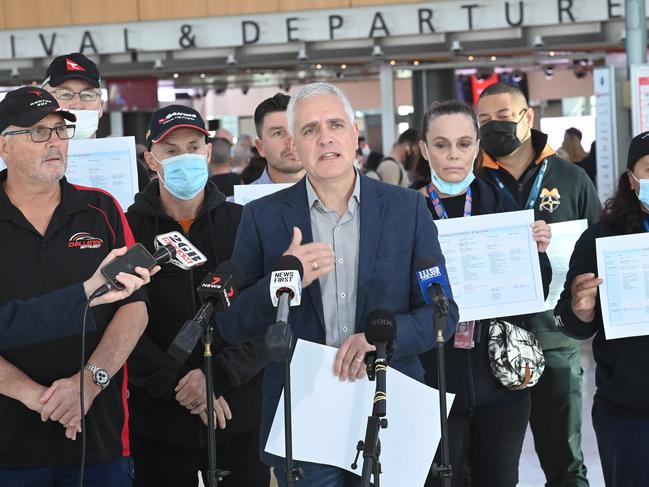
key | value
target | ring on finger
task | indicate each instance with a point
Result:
(194, 404)
(358, 359)
(314, 265)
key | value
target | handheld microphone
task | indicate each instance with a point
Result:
(217, 291)
(285, 291)
(435, 288)
(381, 331)
(186, 256)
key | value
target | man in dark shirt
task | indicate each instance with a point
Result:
(220, 168)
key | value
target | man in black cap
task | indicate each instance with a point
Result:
(54, 234)
(168, 399)
(74, 81)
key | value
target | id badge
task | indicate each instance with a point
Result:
(464, 335)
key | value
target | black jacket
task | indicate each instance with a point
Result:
(467, 371)
(153, 374)
(567, 193)
(622, 364)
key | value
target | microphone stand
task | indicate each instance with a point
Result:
(214, 475)
(279, 344)
(444, 470)
(371, 446)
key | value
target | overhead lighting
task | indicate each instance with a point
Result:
(415, 63)
(318, 66)
(202, 75)
(392, 62)
(343, 66)
(176, 75)
(552, 53)
(493, 58)
(470, 58)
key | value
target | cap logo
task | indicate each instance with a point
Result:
(173, 115)
(36, 92)
(72, 66)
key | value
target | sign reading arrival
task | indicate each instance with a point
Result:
(305, 26)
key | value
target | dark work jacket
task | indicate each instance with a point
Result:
(622, 364)
(468, 373)
(153, 374)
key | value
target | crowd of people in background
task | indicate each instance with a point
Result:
(465, 161)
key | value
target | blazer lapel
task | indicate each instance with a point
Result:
(296, 214)
(372, 208)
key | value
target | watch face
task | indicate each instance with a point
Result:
(101, 377)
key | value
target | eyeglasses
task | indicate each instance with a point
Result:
(84, 95)
(43, 134)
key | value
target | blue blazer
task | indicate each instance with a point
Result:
(396, 229)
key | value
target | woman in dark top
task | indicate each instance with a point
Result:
(621, 404)
(487, 422)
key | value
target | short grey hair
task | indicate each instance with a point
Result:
(315, 89)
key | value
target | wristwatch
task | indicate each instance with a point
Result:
(99, 376)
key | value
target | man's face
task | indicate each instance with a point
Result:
(276, 146)
(506, 108)
(180, 141)
(325, 138)
(75, 86)
(43, 162)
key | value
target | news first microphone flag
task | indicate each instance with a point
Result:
(330, 416)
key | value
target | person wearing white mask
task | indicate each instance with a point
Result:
(621, 405)
(168, 399)
(74, 81)
(487, 421)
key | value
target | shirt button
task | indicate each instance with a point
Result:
(344, 328)
(337, 227)
(340, 261)
(342, 295)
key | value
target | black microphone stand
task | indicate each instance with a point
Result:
(440, 310)
(279, 344)
(203, 319)
(371, 446)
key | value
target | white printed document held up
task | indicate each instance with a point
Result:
(564, 238)
(109, 164)
(245, 193)
(330, 416)
(493, 264)
(623, 264)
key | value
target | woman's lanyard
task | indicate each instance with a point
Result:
(439, 207)
(536, 187)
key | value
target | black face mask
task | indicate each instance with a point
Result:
(498, 138)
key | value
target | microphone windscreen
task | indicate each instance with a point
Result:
(233, 269)
(381, 326)
(289, 263)
(425, 262)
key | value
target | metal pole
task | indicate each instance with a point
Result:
(387, 107)
(636, 32)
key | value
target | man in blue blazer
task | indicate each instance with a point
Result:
(358, 241)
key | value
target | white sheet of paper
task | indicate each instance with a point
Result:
(109, 164)
(564, 238)
(623, 264)
(330, 416)
(245, 193)
(492, 264)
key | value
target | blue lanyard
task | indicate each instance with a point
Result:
(439, 207)
(645, 222)
(536, 187)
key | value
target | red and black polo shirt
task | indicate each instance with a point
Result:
(86, 225)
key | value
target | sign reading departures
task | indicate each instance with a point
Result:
(304, 26)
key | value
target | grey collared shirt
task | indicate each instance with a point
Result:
(338, 288)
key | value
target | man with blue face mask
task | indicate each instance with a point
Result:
(168, 400)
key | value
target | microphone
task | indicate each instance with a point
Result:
(217, 291)
(285, 291)
(381, 331)
(434, 287)
(186, 256)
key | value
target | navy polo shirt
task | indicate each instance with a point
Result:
(86, 225)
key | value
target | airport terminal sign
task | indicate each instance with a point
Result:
(305, 26)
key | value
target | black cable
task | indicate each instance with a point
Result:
(98, 292)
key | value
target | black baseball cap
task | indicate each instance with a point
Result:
(72, 66)
(28, 105)
(170, 118)
(638, 148)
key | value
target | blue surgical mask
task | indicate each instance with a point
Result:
(185, 175)
(643, 195)
(451, 189)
